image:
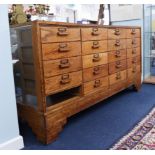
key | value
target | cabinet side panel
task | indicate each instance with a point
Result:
(38, 66)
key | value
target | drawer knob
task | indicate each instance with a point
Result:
(64, 63)
(134, 51)
(96, 57)
(133, 31)
(65, 79)
(97, 83)
(118, 64)
(118, 76)
(95, 31)
(118, 53)
(117, 31)
(96, 70)
(62, 31)
(133, 41)
(95, 44)
(134, 60)
(63, 47)
(134, 69)
(117, 42)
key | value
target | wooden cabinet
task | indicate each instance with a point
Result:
(66, 68)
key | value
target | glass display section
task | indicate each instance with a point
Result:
(149, 44)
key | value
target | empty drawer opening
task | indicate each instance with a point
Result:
(63, 96)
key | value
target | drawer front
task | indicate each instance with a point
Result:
(116, 33)
(130, 33)
(115, 88)
(116, 44)
(62, 82)
(61, 50)
(131, 43)
(94, 33)
(117, 66)
(95, 72)
(94, 59)
(133, 71)
(90, 47)
(116, 55)
(92, 86)
(59, 34)
(132, 52)
(60, 66)
(117, 77)
(133, 61)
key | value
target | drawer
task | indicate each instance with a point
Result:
(117, 77)
(133, 71)
(117, 66)
(131, 43)
(132, 52)
(94, 59)
(95, 85)
(95, 72)
(116, 33)
(60, 66)
(94, 33)
(116, 44)
(117, 87)
(133, 61)
(130, 33)
(62, 82)
(59, 34)
(61, 50)
(90, 47)
(116, 55)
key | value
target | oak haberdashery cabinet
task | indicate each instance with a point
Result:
(66, 68)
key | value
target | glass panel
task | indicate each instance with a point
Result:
(149, 44)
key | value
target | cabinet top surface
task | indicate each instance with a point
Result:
(48, 23)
